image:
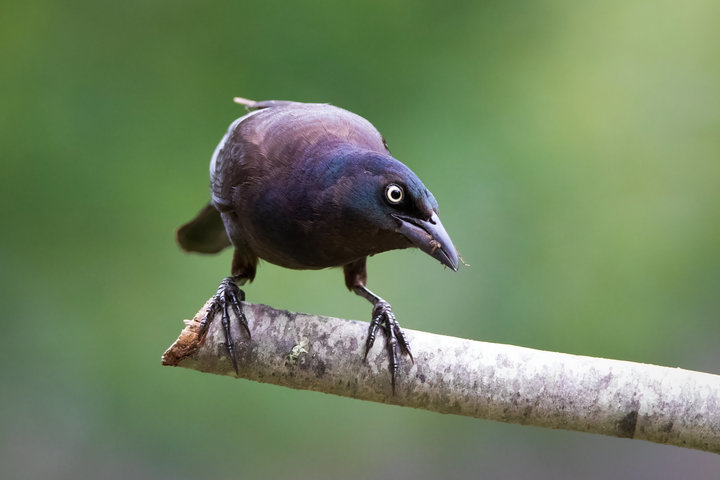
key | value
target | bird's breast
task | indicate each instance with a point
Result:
(299, 230)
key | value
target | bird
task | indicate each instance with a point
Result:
(310, 186)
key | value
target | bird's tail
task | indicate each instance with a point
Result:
(205, 233)
(253, 105)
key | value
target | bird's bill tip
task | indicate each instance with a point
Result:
(430, 237)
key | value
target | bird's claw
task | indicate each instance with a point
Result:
(228, 297)
(394, 336)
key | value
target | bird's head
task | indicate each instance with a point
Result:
(392, 200)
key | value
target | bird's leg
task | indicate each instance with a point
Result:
(382, 315)
(227, 298)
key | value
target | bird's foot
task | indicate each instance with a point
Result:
(228, 298)
(394, 336)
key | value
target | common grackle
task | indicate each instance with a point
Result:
(311, 186)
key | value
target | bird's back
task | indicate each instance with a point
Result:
(278, 135)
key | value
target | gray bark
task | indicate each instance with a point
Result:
(464, 377)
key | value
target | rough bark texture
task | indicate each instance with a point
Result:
(465, 377)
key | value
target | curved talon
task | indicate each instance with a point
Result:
(374, 324)
(237, 308)
(226, 329)
(207, 318)
(403, 341)
(392, 352)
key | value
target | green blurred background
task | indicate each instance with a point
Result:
(574, 148)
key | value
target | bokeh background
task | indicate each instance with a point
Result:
(574, 148)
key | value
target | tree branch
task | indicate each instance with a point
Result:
(465, 377)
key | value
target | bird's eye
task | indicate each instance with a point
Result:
(394, 194)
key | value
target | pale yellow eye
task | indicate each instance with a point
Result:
(394, 193)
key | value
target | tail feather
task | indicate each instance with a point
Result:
(205, 233)
(253, 105)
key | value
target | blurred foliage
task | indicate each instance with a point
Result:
(574, 148)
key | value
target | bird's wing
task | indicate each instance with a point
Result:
(280, 133)
(228, 162)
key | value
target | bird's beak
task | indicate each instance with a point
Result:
(430, 237)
